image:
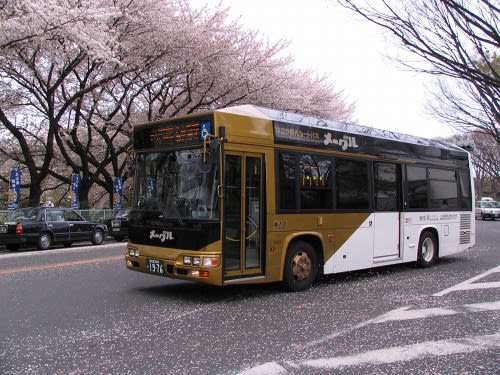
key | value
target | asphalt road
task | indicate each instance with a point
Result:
(79, 311)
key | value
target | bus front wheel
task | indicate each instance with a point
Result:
(301, 266)
(427, 250)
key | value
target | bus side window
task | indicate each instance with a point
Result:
(315, 182)
(351, 177)
(287, 181)
(386, 186)
(417, 187)
(443, 188)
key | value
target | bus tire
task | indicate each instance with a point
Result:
(427, 250)
(301, 266)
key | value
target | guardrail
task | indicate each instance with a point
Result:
(98, 215)
(91, 215)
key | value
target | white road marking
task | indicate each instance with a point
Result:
(394, 354)
(409, 352)
(405, 313)
(386, 355)
(269, 368)
(469, 284)
(339, 333)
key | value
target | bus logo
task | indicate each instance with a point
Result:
(345, 142)
(163, 236)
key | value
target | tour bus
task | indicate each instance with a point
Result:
(247, 194)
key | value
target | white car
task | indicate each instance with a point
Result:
(487, 209)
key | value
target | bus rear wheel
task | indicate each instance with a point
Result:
(427, 250)
(301, 266)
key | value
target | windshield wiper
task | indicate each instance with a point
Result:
(177, 212)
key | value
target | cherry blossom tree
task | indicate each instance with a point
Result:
(75, 74)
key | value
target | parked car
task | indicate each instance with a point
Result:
(487, 209)
(118, 226)
(45, 226)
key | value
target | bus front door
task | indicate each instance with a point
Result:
(243, 217)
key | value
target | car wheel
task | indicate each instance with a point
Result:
(301, 266)
(44, 241)
(427, 250)
(97, 237)
(13, 247)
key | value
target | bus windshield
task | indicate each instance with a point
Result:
(179, 184)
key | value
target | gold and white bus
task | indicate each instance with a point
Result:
(247, 194)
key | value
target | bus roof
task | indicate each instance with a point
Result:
(315, 122)
(287, 128)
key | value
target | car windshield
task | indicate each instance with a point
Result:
(24, 213)
(122, 213)
(490, 204)
(180, 184)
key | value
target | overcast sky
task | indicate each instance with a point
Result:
(329, 39)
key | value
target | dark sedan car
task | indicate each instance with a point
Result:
(45, 226)
(118, 226)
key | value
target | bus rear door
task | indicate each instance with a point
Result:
(387, 185)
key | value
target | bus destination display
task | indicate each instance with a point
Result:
(171, 134)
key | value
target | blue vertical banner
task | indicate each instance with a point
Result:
(151, 186)
(117, 193)
(75, 190)
(14, 194)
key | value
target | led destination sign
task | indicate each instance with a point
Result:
(171, 134)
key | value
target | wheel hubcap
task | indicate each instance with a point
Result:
(427, 249)
(301, 266)
(45, 241)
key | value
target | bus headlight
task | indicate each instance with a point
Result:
(197, 261)
(211, 262)
(133, 252)
(191, 261)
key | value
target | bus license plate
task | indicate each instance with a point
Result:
(154, 266)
